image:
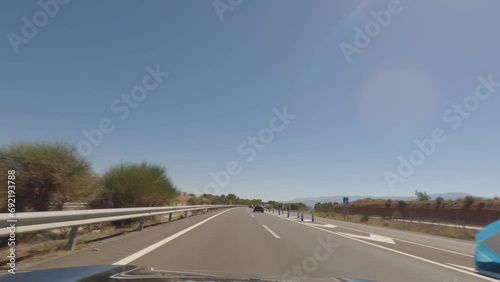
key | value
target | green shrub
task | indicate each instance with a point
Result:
(439, 201)
(468, 200)
(135, 185)
(388, 203)
(47, 174)
(401, 204)
(422, 196)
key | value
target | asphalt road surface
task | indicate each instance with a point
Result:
(240, 243)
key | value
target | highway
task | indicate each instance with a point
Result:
(240, 243)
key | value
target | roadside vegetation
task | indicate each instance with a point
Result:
(421, 213)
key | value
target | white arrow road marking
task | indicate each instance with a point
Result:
(324, 225)
(372, 237)
(462, 267)
(252, 215)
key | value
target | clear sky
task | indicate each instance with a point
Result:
(354, 115)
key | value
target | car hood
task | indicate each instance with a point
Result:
(101, 273)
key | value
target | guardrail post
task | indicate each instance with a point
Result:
(312, 217)
(288, 214)
(169, 217)
(141, 223)
(185, 214)
(72, 238)
(302, 217)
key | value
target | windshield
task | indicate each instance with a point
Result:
(251, 139)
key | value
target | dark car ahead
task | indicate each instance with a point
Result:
(258, 208)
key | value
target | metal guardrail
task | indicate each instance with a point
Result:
(39, 221)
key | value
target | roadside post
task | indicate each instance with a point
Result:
(312, 217)
(302, 217)
(345, 201)
(288, 214)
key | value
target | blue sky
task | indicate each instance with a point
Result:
(353, 119)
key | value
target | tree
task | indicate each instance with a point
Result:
(401, 204)
(388, 203)
(469, 200)
(439, 201)
(422, 196)
(47, 174)
(298, 206)
(192, 200)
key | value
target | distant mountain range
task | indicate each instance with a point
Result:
(311, 201)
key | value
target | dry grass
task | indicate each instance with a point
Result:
(182, 199)
(445, 231)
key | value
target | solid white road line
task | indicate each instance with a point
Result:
(270, 231)
(146, 250)
(464, 267)
(436, 248)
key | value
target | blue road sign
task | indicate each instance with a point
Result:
(346, 201)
